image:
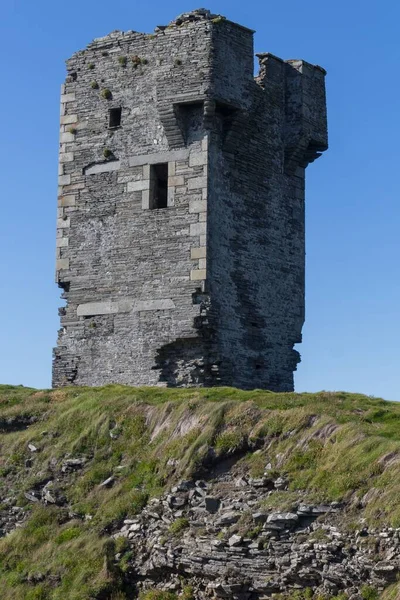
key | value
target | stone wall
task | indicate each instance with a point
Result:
(209, 289)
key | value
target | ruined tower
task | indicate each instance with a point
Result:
(180, 233)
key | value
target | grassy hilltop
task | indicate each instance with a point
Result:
(330, 446)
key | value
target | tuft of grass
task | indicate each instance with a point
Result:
(94, 85)
(157, 595)
(72, 130)
(218, 19)
(369, 593)
(228, 442)
(68, 534)
(106, 94)
(122, 61)
(91, 66)
(107, 153)
(178, 526)
(136, 60)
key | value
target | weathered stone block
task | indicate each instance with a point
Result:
(62, 263)
(62, 242)
(103, 167)
(68, 119)
(67, 137)
(65, 201)
(196, 253)
(63, 223)
(198, 228)
(197, 274)
(137, 186)
(68, 97)
(198, 158)
(66, 157)
(176, 180)
(197, 183)
(198, 206)
(64, 179)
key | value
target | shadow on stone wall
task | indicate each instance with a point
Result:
(183, 363)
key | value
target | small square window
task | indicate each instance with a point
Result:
(114, 119)
(159, 185)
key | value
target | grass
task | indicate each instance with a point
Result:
(330, 447)
(178, 526)
(158, 595)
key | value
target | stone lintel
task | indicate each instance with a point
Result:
(159, 157)
(105, 167)
(108, 307)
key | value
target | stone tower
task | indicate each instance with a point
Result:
(180, 240)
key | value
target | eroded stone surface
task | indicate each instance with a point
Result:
(247, 551)
(217, 276)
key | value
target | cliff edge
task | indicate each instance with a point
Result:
(115, 493)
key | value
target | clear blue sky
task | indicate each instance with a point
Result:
(352, 330)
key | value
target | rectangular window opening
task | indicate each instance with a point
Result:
(114, 118)
(159, 185)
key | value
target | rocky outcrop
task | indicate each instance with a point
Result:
(157, 495)
(222, 537)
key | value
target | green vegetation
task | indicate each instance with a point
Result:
(178, 526)
(107, 153)
(91, 66)
(369, 593)
(229, 442)
(106, 94)
(158, 595)
(332, 446)
(94, 85)
(218, 19)
(122, 61)
(319, 535)
(72, 130)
